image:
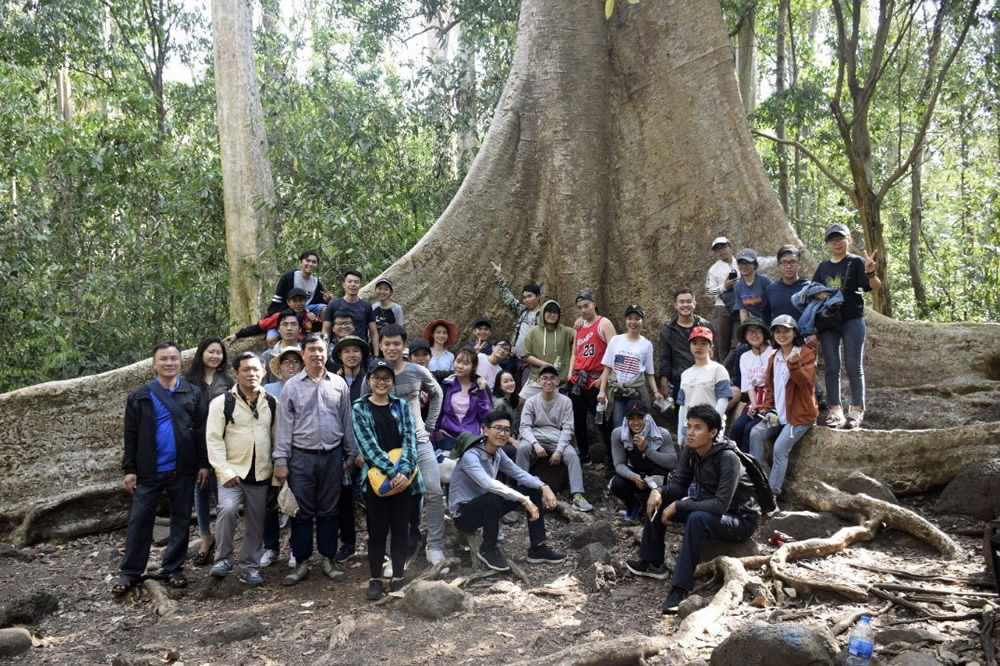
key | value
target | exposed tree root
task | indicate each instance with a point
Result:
(736, 582)
(572, 515)
(624, 651)
(78, 512)
(431, 573)
(161, 600)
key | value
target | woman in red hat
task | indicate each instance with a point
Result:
(441, 334)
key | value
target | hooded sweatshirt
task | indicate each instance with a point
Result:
(552, 346)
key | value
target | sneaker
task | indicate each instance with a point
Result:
(221, 569)
(251, 578)
(647, 569)
(396, 584)
(580, 503)
(291, 562)
(674, 599)
(330, 569)
(374, 592)
(544, 555)
(268, 558)
(501, 537)
(632, 514)
(345, 552)
(494, 559)
(387, 568)
(434, 556)
(298, 574)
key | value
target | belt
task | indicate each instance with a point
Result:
(316, 452)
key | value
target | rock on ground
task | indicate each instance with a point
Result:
(783, 644)
(28, 608)
(804, 524)
(914, 658)
(9, 551)
(14, 641)
(598, 576)
(975, 492)
(240, 630)
(911, 635)
(435, 599)
(858, 482)
(599, 532)
(717, 547)
(593, 552)
(692, 604)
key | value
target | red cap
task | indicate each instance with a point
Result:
(701, 332)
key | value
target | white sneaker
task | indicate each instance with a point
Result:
(268, 558)
(387, 568)
(435, 556)
(291, 562)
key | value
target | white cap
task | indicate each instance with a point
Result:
(721, 240)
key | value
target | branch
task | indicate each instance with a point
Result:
(877, 70)
(925, 119)
(822, 167)
(442, 30)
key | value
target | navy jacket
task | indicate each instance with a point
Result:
(140, 433)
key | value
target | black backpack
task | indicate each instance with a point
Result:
(761, 486)
(230, 405)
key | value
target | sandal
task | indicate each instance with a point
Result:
(122, 587)
(835, 419)
(177, 580)
(854, 418)
(203, 557)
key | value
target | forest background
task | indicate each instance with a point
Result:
(111, 214)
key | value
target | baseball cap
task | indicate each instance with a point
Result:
(701, 332)
(585, 295)
(295, 292)
(380, 364)
(785, 320)
(721, 240)
(385, 280)
(746, 254)
(419, 343)
(482, 321)
(635, 407)
(837, 229)
(635, 309)
(548, 370)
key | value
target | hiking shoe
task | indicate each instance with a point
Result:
(345, 552)
(673, 600)
(374, 592)
(542, 554)
(647, 569)
(268, 558)
(396, 584)
(632, 514)
(494, 559)
(251, 578)
(298, 574)
(580, 503)
(331, 570)
(220, 569)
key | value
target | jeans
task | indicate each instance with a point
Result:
(433, 496)
(387, 515)
(852, 332)
(787, 437)
(202, 505)
(254, 498)
(139, 534)
(700, 527)
(740, 432)
(486, 510)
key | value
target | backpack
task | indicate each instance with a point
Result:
(761, 486)
(230, 405)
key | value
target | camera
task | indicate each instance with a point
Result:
(733, 274)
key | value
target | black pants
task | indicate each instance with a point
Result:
(486, 510)
(586, 403)
(387, 515)
(139, 535)
(346, 525)
(316, 479)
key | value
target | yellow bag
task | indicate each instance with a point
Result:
(381, 484)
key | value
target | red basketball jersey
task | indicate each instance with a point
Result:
(590, 348)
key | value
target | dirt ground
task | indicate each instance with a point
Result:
(511, 620)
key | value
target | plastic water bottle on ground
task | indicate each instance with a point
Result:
(861, 643)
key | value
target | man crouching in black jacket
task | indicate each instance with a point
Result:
(164, 451)
(708, 491)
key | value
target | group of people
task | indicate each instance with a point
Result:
(343, 406)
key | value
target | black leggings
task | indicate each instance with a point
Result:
(387, 515)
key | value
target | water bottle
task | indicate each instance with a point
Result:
(599, 415)
(861, 644)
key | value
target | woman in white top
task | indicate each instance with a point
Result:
(628, 368)
(753, 368)
(441, 334)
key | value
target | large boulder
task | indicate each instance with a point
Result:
(804, 524)
(784, 644)
(975, 492)
(857, 483)
(435, 599)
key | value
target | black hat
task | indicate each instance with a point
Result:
(836, 229)
(748, 255)
(385, 280)
(380, 364)
(635, 309)
(585, 295)
(635, 407)
(482, 321)
(295, 292)
(419, 343)
(548, 370)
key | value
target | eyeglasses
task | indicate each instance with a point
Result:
(291, 361)
(381, 380)
(788, 263)
(503, 430)
(346, 324)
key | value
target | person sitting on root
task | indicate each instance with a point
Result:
(547, 431)
(721, 503)
(789, 407)
(643, 454)
(753, 366)
(476, 497)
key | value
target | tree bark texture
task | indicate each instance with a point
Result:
(746, 60)
(779, 89)
(248, 189)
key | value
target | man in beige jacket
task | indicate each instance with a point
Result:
(238, 436)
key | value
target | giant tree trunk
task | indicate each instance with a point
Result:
(618, 151)
(248, 189)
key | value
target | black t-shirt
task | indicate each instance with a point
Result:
(386, 427)
(849, 275)
(361, 314)
(383, 317)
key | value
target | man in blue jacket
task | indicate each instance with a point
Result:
(164, 451)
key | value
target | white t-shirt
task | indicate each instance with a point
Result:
(753, 367)
(629, 358)
(704, 385)
(487, 370)
(308, 286)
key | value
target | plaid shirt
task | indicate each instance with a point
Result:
(367, 441)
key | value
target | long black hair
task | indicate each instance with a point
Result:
(498, 392)
(196, 373)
